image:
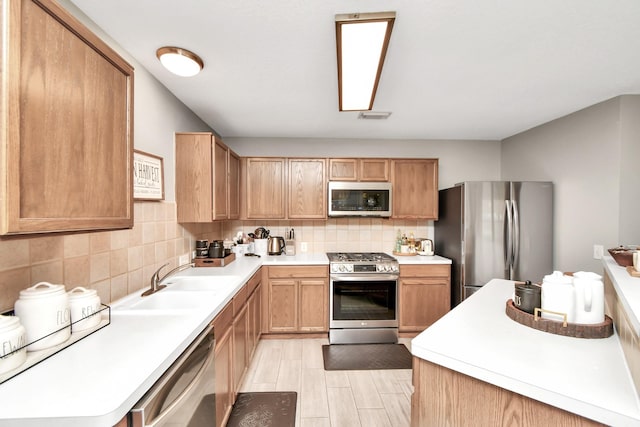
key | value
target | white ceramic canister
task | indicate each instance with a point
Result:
(84, 305)
(44, 309)
(558, 295)
(260, 246)
(589, 294)
(13, 338)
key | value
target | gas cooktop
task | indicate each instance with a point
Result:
(353, 257)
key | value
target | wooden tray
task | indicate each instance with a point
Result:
(577, 330)
(405, 254)
(215, 262)
(633, 272)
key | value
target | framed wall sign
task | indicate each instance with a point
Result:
(148, 176)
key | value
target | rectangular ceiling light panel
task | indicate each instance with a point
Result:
(362, 41)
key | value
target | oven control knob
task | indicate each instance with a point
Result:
(350, 268)
(343, 268)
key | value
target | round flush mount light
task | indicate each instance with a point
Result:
(181, 62)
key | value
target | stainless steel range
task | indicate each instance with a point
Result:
(363, 298)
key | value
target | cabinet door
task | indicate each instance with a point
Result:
(240, 348)
(374, 170)
(224, 390)
(307, 189)
(233, 187)
(343, 169)
(265, 188)
(220, 183)
(283, 305)
(422, 302)
(411, 177)
(193, 177)
(313, 312)
(66, 147)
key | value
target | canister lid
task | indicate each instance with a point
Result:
(42, 290)
(80, 292)
(8, 323)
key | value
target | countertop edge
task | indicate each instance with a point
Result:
(627, 288)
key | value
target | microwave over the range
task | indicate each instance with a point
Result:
(371, 199)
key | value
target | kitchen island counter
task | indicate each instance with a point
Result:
(588, 377)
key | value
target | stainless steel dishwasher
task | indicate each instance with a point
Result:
(185, 394)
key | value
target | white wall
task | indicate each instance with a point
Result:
(585, 156)
(158, 114)
(629, 230)
(458, 160)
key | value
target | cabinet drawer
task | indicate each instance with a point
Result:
(302, 271)
(239, 300)
(433, 270)
(254, 282)
(222, 321)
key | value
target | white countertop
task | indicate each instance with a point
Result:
(98, 379)
(588, 377)
(420, 259)
(628, 289)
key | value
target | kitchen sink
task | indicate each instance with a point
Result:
(215, 284)
(173, 301)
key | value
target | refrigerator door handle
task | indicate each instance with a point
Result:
(508, 252)
(516, 233)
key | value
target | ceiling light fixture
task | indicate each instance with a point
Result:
(362, 40)
(180, 61)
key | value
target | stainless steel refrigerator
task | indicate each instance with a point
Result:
(495, 229)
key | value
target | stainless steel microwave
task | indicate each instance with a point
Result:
(360, 199)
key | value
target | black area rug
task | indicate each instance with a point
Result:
(268, 409)
(344, 357)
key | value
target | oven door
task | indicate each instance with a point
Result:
(363, 301)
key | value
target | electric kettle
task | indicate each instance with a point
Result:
(276, 245)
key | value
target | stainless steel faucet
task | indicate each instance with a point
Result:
(156, 280)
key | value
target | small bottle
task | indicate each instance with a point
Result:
(398, 246)
(412, 243)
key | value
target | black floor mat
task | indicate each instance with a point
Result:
(343, 357)
(276, 409)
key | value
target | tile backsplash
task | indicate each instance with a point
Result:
(115, 263)
(119, 262)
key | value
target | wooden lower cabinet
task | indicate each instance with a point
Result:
(443, 397)
(298, 299)
(424, 295)
(237, 329)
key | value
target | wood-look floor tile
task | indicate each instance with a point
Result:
(313, 394)
(387, 381)
(315, 422)
(292, 350)
(289, 375)
(312, 353)
(398, 408)
(337, 378)
(342, 408)
(267, 370)
(374, 418)
(364, 390)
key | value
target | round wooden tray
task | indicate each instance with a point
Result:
(405, 254)
(577, 330)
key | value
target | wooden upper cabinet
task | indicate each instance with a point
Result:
(415, 188)
(207, 175)
(264, 181)
(234, 185)
(66, 124)
(371, 169)
(307, 189)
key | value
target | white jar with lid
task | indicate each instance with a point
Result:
(558, 297)
(43, 310)
(13, 338)
(84, 305)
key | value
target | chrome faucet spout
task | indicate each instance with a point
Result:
(156, 281)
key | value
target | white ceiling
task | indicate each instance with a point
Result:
(455, 69)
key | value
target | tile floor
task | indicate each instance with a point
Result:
(330, 398)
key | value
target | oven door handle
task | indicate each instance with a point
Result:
(169, 377)
(363, 277)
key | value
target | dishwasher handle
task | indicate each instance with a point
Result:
(154, 398)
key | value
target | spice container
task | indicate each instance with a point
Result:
(84, 305)
(13, 338)
(43, 310)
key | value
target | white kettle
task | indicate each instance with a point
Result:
(589, 297)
